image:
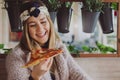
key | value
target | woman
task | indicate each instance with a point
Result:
(39, 32)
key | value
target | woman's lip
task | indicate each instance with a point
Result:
(41, 35)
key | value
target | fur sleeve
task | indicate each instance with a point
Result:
(14, 63)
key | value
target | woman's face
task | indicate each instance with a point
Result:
(39, 28)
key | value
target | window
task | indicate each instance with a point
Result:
(78, 38)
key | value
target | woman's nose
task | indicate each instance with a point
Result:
(40, 27)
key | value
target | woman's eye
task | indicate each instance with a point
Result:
(43, 22)
(32, 25)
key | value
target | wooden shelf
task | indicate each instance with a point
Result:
(98, 55)
(83, 0)
(110, 0)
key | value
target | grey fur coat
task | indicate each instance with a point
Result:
(66, 69)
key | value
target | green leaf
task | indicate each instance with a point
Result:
(73, 49)
(86, 48)
(93, 5)
(114, 5)
(1, 46)
(110, 49)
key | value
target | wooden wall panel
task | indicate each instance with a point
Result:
(3, 73)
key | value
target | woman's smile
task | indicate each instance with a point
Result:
(41, 35)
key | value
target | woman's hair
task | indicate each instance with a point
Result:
(27, 43)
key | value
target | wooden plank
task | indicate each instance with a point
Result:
(110, 0)
(3, 72)
(118, 31)
(98, 55)
(71, 0)
(83, 0)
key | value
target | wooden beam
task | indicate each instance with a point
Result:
(98, 55)
(110, 0)
(83, 0)
(71, 0)
(118, 31)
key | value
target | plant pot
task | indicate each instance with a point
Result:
(13, 9)
(63, 19)
(89, 20)
(53, 16)
(106, 20)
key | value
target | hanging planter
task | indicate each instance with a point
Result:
(53, 6)
(13, 9)
(53, 16)
(90, 13)
(106, 20)
(64, 18)
(89, 20)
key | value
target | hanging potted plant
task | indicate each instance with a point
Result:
(52, 6)
(90, 14)
(106, 19)
(64, 17)
(114, 6)
(13, 9)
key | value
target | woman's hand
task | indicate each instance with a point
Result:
(40, 69)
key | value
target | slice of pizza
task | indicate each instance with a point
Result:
(42, 55)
